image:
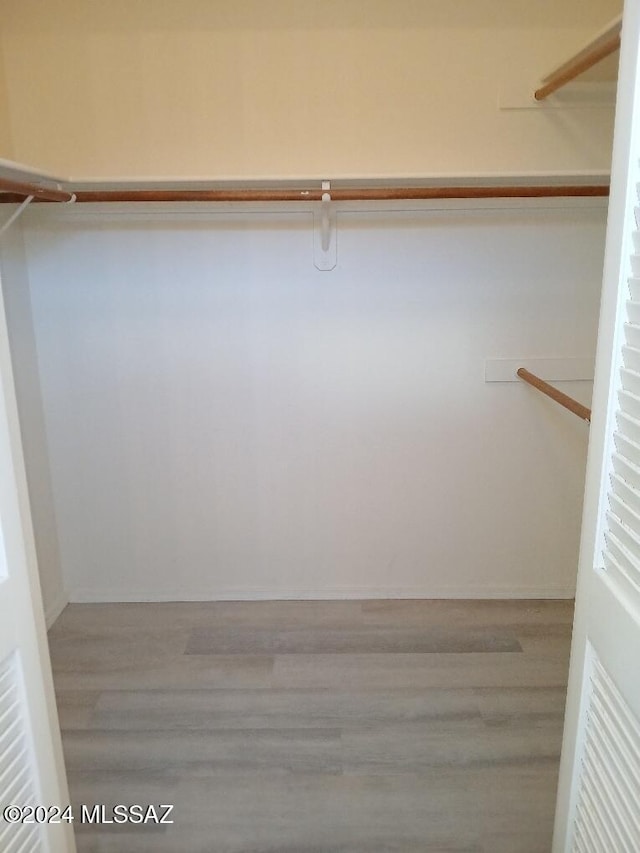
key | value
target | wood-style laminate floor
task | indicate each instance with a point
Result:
(316, 727)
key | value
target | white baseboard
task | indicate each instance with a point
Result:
(54, 608)
(85, 596)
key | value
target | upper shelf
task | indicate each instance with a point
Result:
(606, 42)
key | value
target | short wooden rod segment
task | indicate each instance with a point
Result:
(564, 399)
(19, 188)
(577, 66)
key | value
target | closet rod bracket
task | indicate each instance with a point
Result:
(325, 255)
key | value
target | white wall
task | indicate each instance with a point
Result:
(15, 292)
(223, 420)
(259, 88)
(6, 144)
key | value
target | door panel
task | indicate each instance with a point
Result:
(598, 807)
(31, 765)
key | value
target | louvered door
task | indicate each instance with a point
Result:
(17, 783)
(620, 557)
(31, 768)
(599, 789)
(607, 806)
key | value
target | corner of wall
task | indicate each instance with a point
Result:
(54, 608)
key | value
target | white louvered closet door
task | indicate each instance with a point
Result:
(31, 768)
(598, 807)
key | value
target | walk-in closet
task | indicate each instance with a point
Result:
(301, 306)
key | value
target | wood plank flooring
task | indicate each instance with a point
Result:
(316, 727)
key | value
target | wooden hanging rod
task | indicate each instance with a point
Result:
(337, 194)
(606, 43)
(564, 399)
(17, 190)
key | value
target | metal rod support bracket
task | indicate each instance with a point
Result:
(325, 256)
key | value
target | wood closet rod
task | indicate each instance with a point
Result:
(564, 399)
(17, 190)
(337, 194)
(599, 50)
